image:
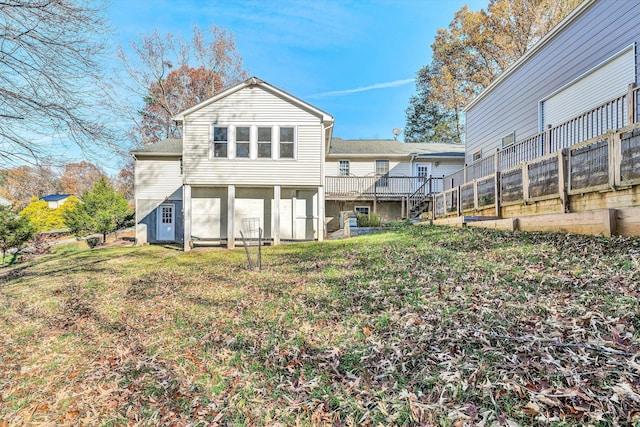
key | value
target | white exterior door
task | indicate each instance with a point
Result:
(166, 222)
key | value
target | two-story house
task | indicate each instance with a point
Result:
(252, 152)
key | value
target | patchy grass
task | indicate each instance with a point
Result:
(415, 326)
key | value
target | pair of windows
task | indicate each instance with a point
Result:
(264, 142)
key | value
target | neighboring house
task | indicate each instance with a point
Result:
(55, 200)
(380, 175)
(571, 86)
(250, 152)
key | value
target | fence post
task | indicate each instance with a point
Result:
(615, 158)
(631, 104)
(525, 182)
(562, 179)
(464, 175)
(546, 143)
(497, 172)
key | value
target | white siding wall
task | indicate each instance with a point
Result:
(368, 167)
(258, 107)
(158, 178)
(397, 168)
(604, 29)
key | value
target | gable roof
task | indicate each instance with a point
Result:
(529, 53)
(166, 147)
(391, 148)
(254, 81)
(54, 197)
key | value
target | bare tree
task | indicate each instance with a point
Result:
(167, 74)
(49, 60)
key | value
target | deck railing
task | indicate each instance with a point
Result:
(612, 115)
(358, 187)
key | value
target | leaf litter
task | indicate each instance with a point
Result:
(416, 326)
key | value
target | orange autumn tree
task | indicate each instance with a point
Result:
(474, 50)
(171, 74)
(78, 178)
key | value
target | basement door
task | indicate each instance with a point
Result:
(166, 223)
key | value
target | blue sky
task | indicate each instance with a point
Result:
(353, 59)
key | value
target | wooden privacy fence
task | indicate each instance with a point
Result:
(607, 162)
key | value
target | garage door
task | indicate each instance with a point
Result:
(596, 87)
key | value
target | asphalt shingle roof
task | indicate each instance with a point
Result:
(392, 147)
(166, 146)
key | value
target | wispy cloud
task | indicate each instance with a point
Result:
(375, 86)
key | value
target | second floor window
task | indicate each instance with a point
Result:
(220, 141)
(243, 141)
(343, 168)
(264, 142)
(287, 149)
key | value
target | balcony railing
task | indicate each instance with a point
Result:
(612, 115)
(380, 187)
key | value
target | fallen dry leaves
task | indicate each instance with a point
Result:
(417, 326)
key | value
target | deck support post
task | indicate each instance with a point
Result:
(231, 209)
(276, 215)
(186, 216)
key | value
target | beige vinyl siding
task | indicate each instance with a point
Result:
(445, 167)
(158, 178)
(602, 30)
(368, 167)
(258, 107)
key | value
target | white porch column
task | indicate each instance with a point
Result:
(276, 215)
(320, 226)
(186, 216)
(231, 209)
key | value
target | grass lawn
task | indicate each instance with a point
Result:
(416, 326)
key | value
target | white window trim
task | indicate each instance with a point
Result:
(212, 142)
(340, 167)
(427, 165)
(250, 142)
(295, 142)
(253, 142)
(368, 208)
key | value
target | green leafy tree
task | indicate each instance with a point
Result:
(15, 231)
(428, 121)
(102, 210)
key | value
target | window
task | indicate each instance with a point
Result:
(477, 155)
(286, 143)
(243, 141)
(509, 139)
(264, 142)
(363, 210)
(343, 168)
(423, 170)
(382, 171)
(220, 141)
